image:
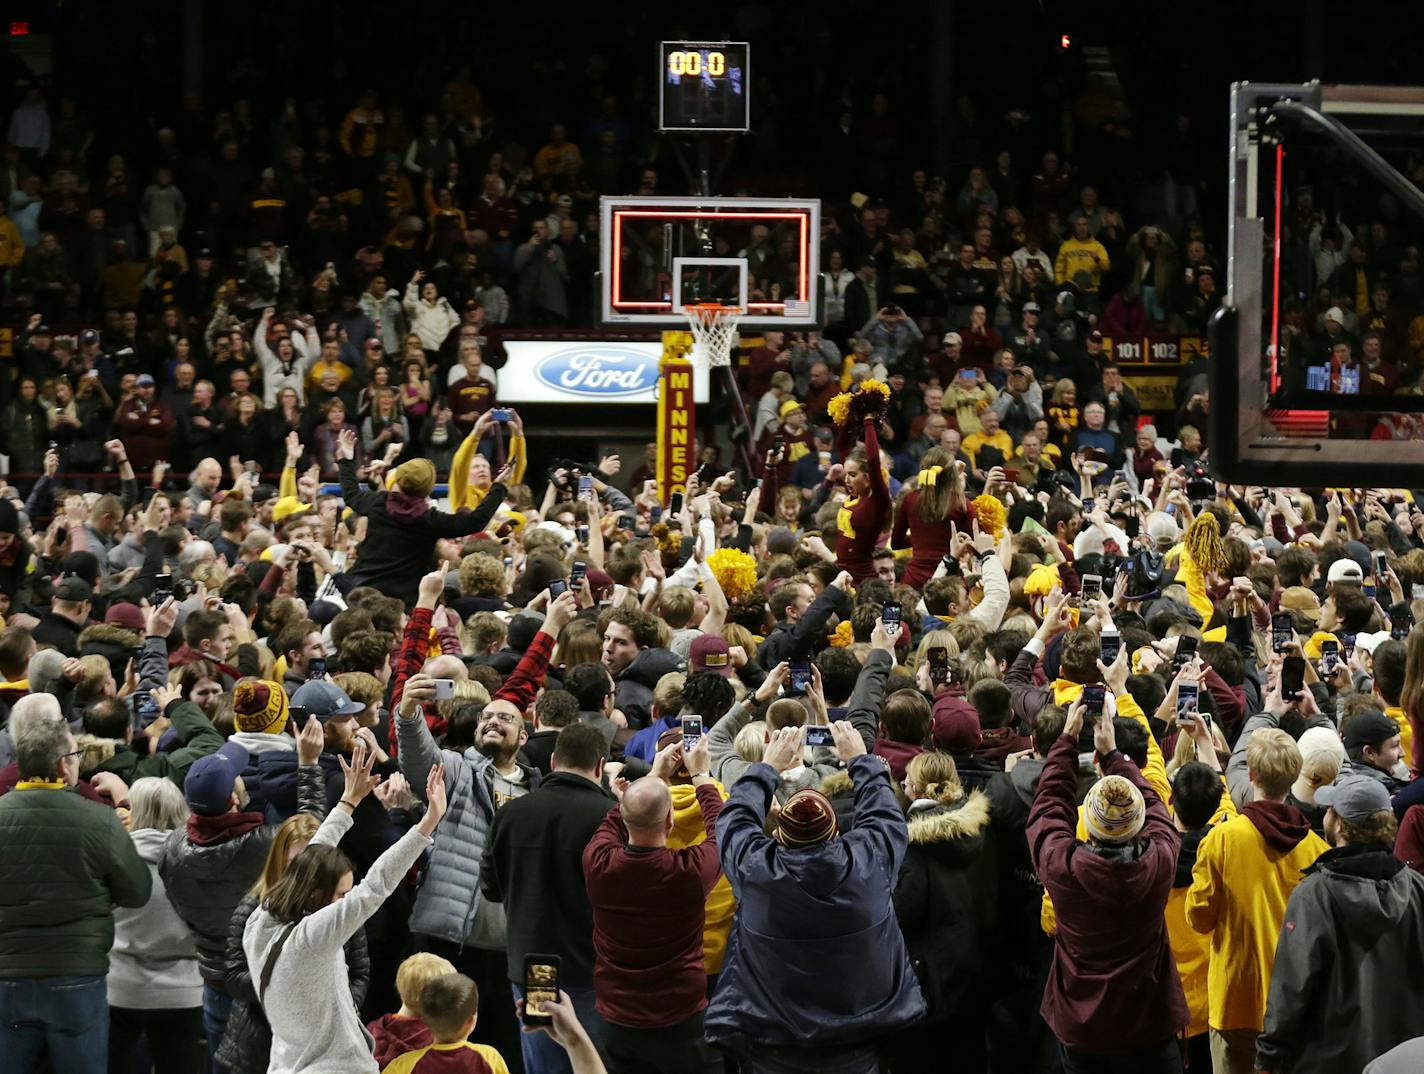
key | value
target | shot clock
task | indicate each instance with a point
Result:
(704, 86)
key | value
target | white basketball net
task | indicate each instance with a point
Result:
(713, 327)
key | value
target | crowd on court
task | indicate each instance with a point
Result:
(978, 725)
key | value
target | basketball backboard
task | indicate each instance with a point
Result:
(1295, 401)
(659, 254)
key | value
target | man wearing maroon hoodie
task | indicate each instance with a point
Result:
(1113, 997)
(649, 976)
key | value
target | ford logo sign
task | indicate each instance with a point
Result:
(600, 372)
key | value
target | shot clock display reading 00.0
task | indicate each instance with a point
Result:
(704, 85)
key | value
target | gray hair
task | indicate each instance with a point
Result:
(194, 553)
(43, 671)
(1150, 430)
(156, 802)
(41, 736)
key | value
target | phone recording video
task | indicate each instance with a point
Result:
(1092, 588)
(890, 616)
(541, 985)
(691, 731)
(1186, 652)
(585, 488)
(316, 668)
(1282, 632)
(1329, 657)
(578, 574)
(819, 735)
(939, 666)
(1109, 646)
(1188, 695)
(1094, 695)
(557, 588)
(799, 677)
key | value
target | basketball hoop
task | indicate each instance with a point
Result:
(713, 326)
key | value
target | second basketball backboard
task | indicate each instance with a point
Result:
(661, 254)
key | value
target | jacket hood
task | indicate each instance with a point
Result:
(953, 832)
(108, 634)
(1024, 779)
(1281, 824)
(1372, 889)
(996, 743)
(836, 783)
(687, 827)
(897, 755)
(149, 843)
(97, 751)
(650, 665)
(405, 507)
(1065, 692)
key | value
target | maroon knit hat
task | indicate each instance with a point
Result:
(806, 818)
(126, 615)
(956, 730)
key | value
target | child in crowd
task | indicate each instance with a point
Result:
(450, 1006)
(406, 1030)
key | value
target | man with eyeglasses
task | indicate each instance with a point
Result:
(451, 917)
(67, 863)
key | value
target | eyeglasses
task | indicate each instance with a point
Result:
(505, 718)
(74, 756)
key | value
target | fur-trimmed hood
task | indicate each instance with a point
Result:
(836, 783)
(109, 634)
(97, 751)
(954, 832)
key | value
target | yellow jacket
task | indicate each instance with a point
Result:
(688, 831)
(1192, 949)
(12, 247)
(1191, 576)
(1406, 732)
(1155, 773)
(1082, 263)
(462, 493)
(1238, 897)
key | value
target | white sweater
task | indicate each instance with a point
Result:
(311, 1033)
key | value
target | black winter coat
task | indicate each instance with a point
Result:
(945, 899)
(206, 882)
(402, 532)
(246, 1046)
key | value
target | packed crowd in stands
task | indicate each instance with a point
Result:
(978, 727)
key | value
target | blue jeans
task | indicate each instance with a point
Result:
(69, 1015)
(542, 1054)
(217, 1008)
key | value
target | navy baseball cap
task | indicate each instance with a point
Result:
(209, 783)
(325, 699)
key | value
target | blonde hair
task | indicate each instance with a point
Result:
(1062, 388)
(750, 742)
(1273, 759)
(298, 828)
(667, 693)
(361, 686)
(736, 634)
(676, 604)
(935, 775)
(156, 802)
(415, 973)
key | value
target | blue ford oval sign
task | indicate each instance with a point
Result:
(598, 371)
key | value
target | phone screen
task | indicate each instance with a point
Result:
(1186, 650)
(316, 669)
(1282, 632)
(939, 665)
(1187, 696)
(799, 676)
(1092, 587)
(585, 488)
(675, 504)
(817, 735)
(1110, 646)
(1292, 677)
(557, 588)
(890, 616)
(1094, 695)
(541, 985)
(691, 731)
(1329, 657)
(580, 571)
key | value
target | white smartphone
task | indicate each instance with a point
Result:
(444, 689)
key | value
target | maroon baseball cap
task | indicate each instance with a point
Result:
(710, 652)
(600, 584)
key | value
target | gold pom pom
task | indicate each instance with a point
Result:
(990, 513)
(842, 637)
(736, 572)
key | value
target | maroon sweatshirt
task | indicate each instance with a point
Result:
(648, 911)
(395, 1035)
